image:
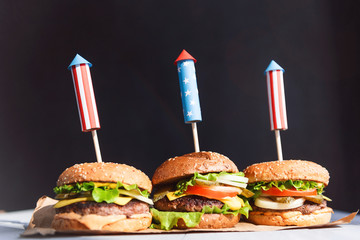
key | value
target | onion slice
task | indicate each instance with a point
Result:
(264, 202)
(234, 178)
(236, 184)
(136, 195)
(236, 181)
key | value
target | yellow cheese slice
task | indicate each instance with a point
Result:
(235, 203)
(110, 185)
(62, 203)
(65, 202)
(171, 196)
(122, 200)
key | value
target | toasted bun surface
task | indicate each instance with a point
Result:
(287, 170)
(105, 172)
(291, 218)
(211, 221)
(76, 222)
(202, 162)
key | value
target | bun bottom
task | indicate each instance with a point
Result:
(291, 218)
(212, 221)
(117, 223)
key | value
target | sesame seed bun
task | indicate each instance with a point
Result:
(184, 166)
(105, 172)
(287, 170)
(291, 218)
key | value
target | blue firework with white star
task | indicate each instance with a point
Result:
(189, 91)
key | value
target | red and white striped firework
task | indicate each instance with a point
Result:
(80, 70)
(277, 107)
(84, 92)
(276, 95)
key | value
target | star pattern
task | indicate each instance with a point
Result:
(189, 91)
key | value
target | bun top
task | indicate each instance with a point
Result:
(184, 166)
(104, 172)
(287, 170)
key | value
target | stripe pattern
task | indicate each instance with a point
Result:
(85, 97)
(276, 96)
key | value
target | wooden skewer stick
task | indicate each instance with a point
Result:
(278, 145)
(97, 146)
(195, 135)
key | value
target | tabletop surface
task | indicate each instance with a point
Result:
(13, 224)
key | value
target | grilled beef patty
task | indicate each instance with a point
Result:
(307, 208)
(186, 204)
(104, 209)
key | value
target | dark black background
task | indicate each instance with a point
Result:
(132, 46)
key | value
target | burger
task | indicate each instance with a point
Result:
(199, 190)
(288, 193)
(102, 196)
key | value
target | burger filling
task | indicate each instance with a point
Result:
(101, 198)
(105, 209)
(189, 199)
(187, 204)
(307, 208)
(303, 196)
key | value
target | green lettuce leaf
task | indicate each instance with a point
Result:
(144, 193)
(182, 185)
(282, 185)
(100, 194)
(226, 209)
(245, 209)
(76, 188)
(167, 220)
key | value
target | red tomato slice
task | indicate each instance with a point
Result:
(274, 191)
(213, 192)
